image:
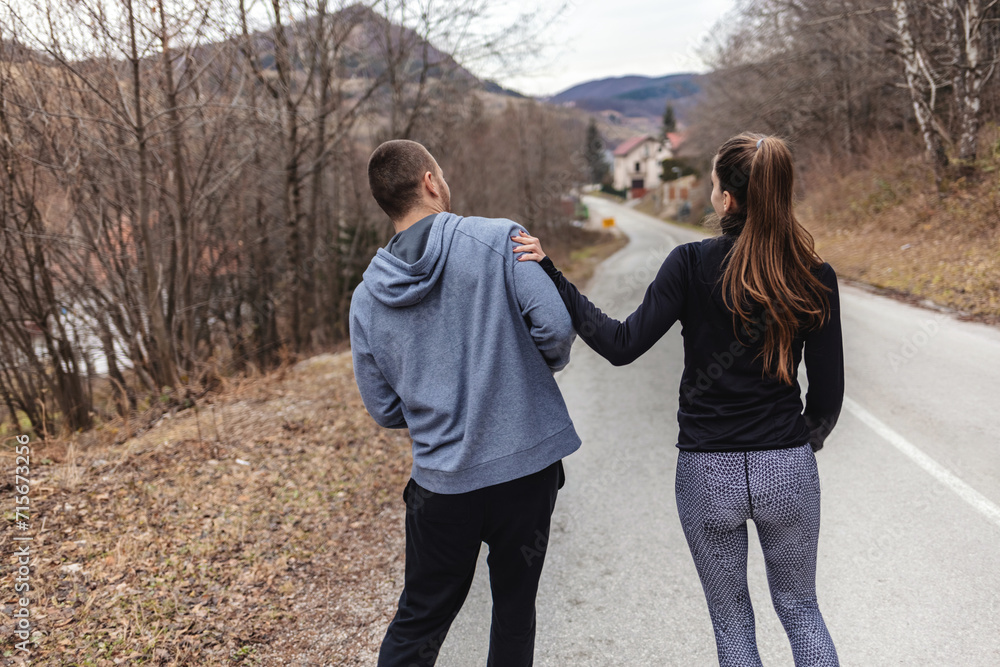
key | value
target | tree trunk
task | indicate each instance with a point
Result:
(291, 196)
(313, 276)
(973, 79)
(914, 81)
(124, 394)
(160, 340)
(183, 221)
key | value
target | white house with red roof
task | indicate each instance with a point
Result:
(638, 162)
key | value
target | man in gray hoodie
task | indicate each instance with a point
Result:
(457, 340)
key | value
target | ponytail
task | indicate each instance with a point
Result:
(768, 282)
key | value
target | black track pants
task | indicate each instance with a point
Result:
(444, 534)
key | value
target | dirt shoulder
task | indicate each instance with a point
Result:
(581, 263)
(886, 227)
(176, 548)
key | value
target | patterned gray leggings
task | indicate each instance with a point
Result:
(779, 490)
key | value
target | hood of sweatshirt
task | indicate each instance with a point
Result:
(397, 284)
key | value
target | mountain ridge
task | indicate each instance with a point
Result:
(635, 95)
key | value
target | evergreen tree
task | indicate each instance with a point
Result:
(669, 120)
(594, 153)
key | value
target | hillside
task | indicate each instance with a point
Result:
(882, 224)
(368, 38)
(635, 96)
(363, 38)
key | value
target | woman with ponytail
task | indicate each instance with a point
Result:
(752, 303)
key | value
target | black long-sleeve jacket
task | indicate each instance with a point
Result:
(727, 402)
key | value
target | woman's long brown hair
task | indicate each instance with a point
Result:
(768, 281)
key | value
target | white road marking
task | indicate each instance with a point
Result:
(978, 501)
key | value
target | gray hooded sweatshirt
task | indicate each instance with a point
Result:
(460, 347)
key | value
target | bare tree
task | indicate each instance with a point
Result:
(49, 383)
(922, 87)
(974, 67)
(184, 190)
(831, 74)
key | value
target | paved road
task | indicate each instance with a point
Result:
(909, 569)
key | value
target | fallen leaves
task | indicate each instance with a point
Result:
(169, 550)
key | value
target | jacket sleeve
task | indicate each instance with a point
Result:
(623, 342)
(824, 357)
(544, 312)
(381, 400)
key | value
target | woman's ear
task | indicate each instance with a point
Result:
(727, 200)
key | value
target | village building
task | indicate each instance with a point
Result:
(638, 163)
(675, 198)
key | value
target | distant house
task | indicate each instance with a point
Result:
(675, 200)
(637, 163)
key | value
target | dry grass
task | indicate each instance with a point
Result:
(881, 222)
(578, 265)
(174, 550)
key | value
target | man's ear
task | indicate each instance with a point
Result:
(431, 184)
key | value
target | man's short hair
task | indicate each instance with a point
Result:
(395, 172)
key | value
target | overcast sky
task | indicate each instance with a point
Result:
(594, 39)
